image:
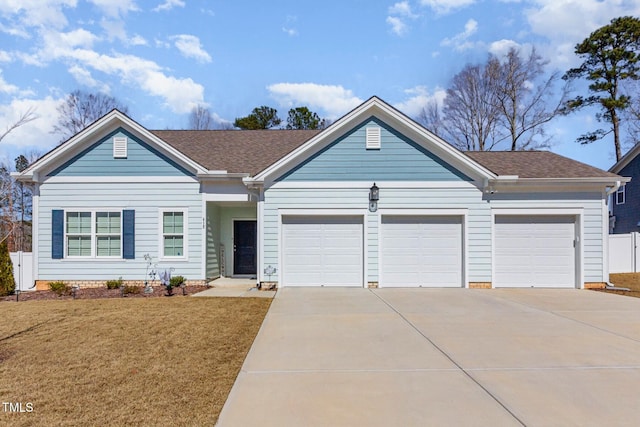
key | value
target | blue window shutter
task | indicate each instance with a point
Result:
(57, 234)
(129, 234)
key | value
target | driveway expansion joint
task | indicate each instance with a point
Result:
(445, 354)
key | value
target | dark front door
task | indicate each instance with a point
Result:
(244, 247)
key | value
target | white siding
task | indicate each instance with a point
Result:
(146, 199)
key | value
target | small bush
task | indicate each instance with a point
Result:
(114, 284)
(131, 289)
(177, 281)
(60, 288)
(7, 283)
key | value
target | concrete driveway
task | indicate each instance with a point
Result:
(430, 357)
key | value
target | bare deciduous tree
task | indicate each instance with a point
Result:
(80, 109)
(470, 108)
(201, 118)
(430, 117)
(7, 183)
(525, 98)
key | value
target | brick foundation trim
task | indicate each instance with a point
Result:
(595, 285)
(43, 285)
(480, 285)
(372, 285)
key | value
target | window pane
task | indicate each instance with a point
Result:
(108, 222)
(79, 246)
(172, 222)
(108, 246)
(79, 222)
(173, 246)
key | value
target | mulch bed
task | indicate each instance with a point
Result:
(102, 292)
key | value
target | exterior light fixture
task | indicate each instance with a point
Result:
(374, 196)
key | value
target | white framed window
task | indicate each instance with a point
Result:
(93, 234)
(620, 195)
(173, 233)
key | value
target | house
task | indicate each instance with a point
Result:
(374, 200)
(625, 202)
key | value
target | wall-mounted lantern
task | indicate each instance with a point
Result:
(374, 196)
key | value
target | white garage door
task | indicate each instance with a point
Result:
(421, 251)
(322, 251)
(534, 251)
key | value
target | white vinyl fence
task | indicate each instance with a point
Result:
(23, 270)
(624, 256)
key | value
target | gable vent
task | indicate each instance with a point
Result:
(120, 147)
(373, 138)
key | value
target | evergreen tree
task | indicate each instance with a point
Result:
(7, 283)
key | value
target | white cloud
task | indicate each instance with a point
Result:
(398, 27)
(566, 23)
(168, 5)
(34, 13)
(116, 8)
(35, 133)
(290, 31)
(5, 56)
(84, 77)
(190, 47)
(460, 42)
(445, 6)
(420, 97)
(500, 48)
(402, 9)
(6, 87)
(398, 14)
(335, 101)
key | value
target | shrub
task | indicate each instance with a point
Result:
(114, 284)
(131, 289)
(177, 281)
(7, 283)
(60, 288)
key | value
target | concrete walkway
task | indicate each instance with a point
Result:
(230, 287)
(431, 357)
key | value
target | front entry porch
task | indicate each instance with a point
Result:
(231, 240)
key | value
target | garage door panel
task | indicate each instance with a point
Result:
(534, 251)
(421, 251)
(322, 250)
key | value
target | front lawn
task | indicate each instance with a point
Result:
(150, 361)
(626, 280)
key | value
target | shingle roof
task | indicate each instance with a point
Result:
(252, 151)
(247, 151)
(535, 164)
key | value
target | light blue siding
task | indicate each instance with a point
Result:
(146, 199)
(478, 208)
(398, 159)
(478, 218)
(141, 160)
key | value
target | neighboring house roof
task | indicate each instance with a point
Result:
(235, 151)
(535, 164)
(626, 159)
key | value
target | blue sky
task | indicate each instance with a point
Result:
(162, 57)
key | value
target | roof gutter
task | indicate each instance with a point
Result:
(615, 187)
